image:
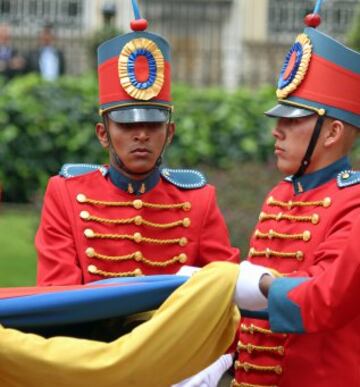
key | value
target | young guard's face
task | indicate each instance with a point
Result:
(138, 145)
(292, 137)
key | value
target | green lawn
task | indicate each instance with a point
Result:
(17, 254)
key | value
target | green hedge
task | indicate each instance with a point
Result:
(354, 33)
(44, 125)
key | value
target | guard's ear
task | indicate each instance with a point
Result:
(102, 135)
(334, 132)
(171, 132)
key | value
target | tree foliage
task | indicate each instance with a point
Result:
(354, 35)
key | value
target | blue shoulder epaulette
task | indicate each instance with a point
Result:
(71, 170)
(348, 178)
(184, 178)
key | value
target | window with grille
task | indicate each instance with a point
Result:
(62, 13)
(288, 16)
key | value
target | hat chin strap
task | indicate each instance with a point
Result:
(310, 150)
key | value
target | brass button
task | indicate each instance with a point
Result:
(183, 241)
(261, 216)
(278, 369)
(270, 200)
(299, 256)
(92, 269)
(89, 233)
(267, 252)
(257, 232)
(279, 216)
(84, 215)
(138, 220)
(90, 252)
(327, 202)
(186, 222)
(137, 237)
(306, 235)
(187, 206)
(138, 256)
(251, 251)
(137, 272)
(290, 204)
(271, 234)
(137, 204)
(315, 218)
(182, 258)
(81, 198)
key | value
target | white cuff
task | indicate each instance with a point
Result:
(247, 292)
(188, 271)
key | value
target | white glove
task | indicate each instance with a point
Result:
(247, 292)
(188, 271)
(210, 376)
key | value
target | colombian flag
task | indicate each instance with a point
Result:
(28, 308)
(190, 330)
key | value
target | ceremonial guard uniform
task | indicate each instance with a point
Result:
(92, 228)
(327, 302)
(305, 223)
(101, 221)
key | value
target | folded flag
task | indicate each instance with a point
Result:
(32, 307)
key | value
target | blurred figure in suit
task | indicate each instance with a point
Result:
(47, 60)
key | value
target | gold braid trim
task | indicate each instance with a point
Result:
(247, 367)
(251, 348)
(268, 253)
(305, 236)
(290, 204)
(137, 203)
(137, 238)
(234, 383)
(314, 218)
(254, 329)
(178, 258)
(91, 253)
(136, 256)
(137, 220)
(94, 270)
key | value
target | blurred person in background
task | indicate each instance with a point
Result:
(47, 59)
(11, 62)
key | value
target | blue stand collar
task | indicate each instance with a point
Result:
(313, 180)
(131, 186)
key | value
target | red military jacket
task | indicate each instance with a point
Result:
(325, 302)
(92, 229)
(302, 229)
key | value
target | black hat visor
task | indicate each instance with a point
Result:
(286, 111)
